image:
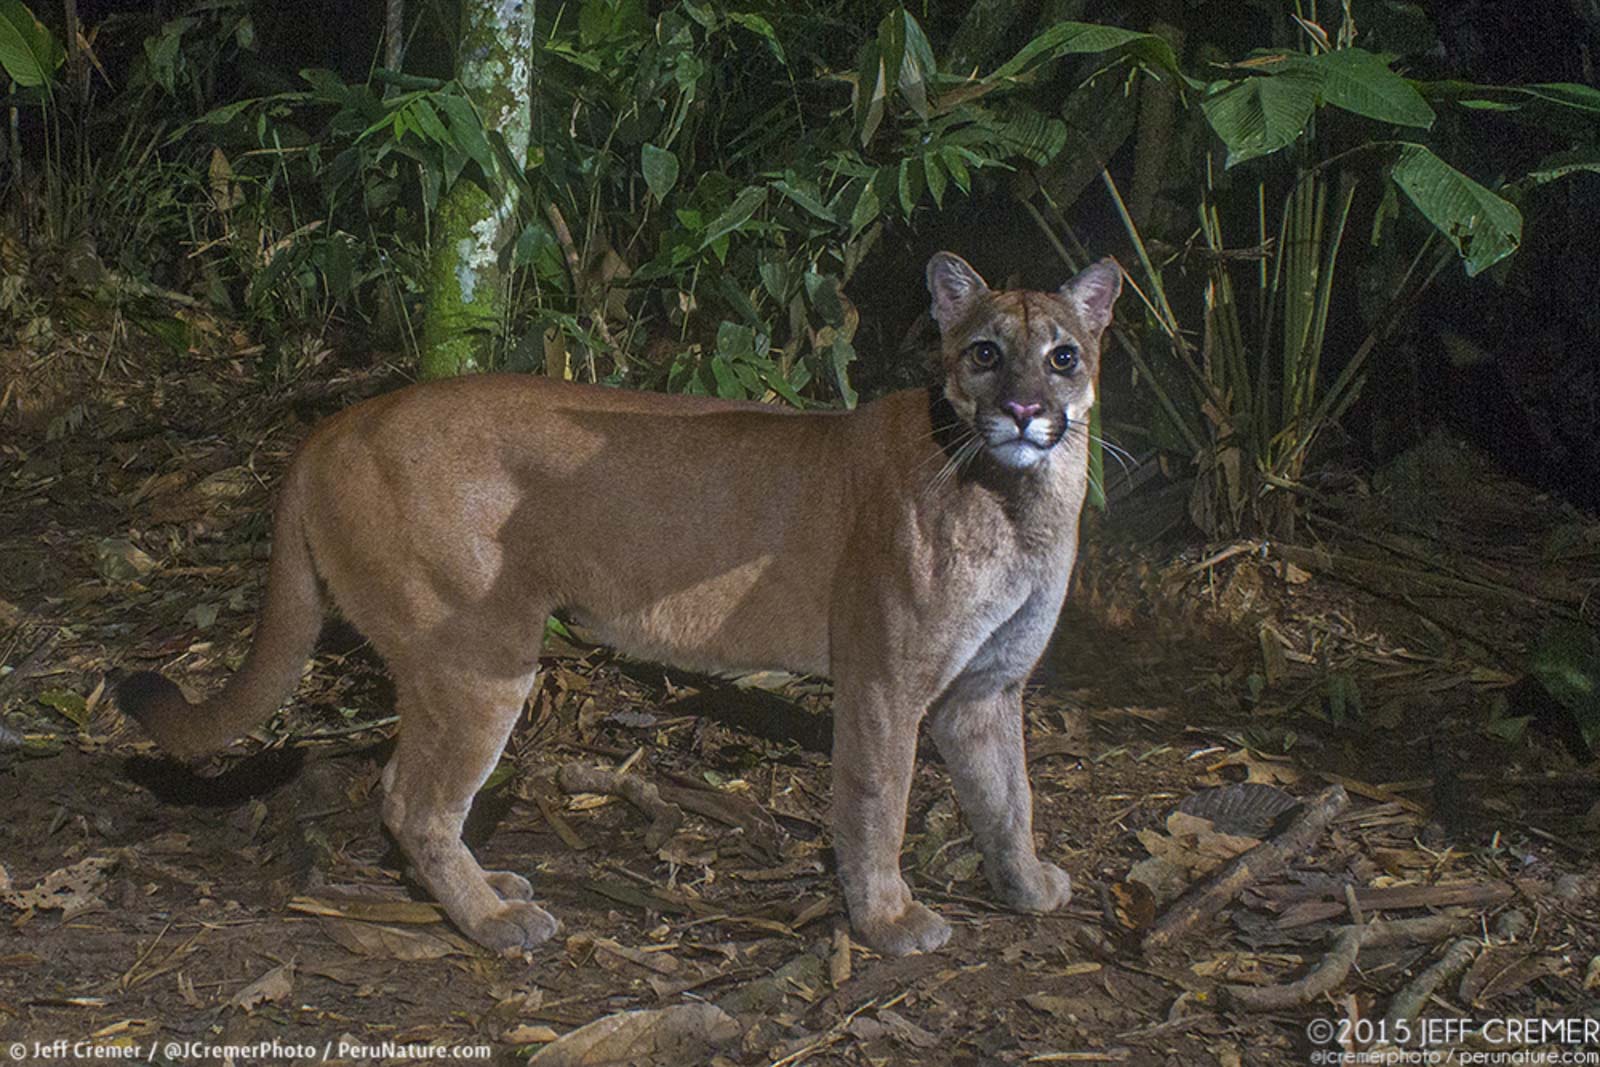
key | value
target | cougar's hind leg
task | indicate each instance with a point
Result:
(452, 731)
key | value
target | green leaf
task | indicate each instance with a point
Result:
(1362, 83)
(728, 385)
(804, 194)
(955, 162)
(1259, 115)
(1566, 661)
(1483, 227)
(29, 53)
(660, 169)
(823, 292)
(1097, 461)
(1563, 164)
(909, 186)
(871, 88)
(1077, 38)
(841, 355)
(466, 131)
(866, 208)
(917, 65)
(936, 178)
(68, 703)
(737, 214)
(761, 28)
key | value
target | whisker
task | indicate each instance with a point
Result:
(1127, 460)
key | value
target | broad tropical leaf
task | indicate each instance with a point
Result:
(1079, 38)
(29, 54)
(1483, 227)
(1257, 116)
(1360, 82)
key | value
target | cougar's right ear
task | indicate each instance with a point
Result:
(954, 285)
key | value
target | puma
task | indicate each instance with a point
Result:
(915, 550)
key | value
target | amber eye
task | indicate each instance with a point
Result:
(985, 355)
(1064, 360)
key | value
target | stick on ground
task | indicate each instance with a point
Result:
(1327, 975)
(665, 818)
(1265, 860)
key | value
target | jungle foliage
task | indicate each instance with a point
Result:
(706, 178)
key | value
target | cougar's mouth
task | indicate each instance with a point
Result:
(1022, 446)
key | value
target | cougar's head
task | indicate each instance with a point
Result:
(1020, 367)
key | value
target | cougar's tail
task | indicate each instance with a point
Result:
(285, 635)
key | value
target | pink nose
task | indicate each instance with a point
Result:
(1022, 413)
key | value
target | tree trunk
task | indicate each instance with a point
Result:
(466, 287)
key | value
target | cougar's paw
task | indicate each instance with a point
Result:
(513, 927)
(508, 885)
(1036, 887)
(916, 929)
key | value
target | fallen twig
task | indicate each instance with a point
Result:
(1407, 1004)
(665, 817)
(1327, 975)
(1268, 858)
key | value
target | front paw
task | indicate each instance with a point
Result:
(514, 926)
(1033, 886)
(509, 886)
(915, 929)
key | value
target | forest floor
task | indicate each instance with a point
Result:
(1387, 652)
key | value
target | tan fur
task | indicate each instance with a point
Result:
(920, 566)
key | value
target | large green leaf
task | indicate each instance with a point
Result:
(1360, 82)
(1566, 660)
(1259, 115)
(1483, 227)
(660, 169)
(29, 54)
(737, 214)
(1079, 38)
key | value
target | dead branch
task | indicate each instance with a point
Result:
(1266, 859)
(1326, 976)
(665, 817)
(1407, 1004)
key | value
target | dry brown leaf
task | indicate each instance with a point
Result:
(1060, 1007)
(371, 910)
(1501, 970)
(270, 988)
(529, 1035)
(1193, 844)
(1258, 768)
(391, 942)
(668, 1036)
(70, 890)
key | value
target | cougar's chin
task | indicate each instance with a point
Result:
(1018, 448)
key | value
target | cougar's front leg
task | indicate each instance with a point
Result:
(874, 750)
(979, 734)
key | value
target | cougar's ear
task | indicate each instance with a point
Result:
(1094, 291)
(954, 286)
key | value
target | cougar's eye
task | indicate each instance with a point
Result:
(1064, 360)
(985, 355)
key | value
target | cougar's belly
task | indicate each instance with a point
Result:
(749, 616)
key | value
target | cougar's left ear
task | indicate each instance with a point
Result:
(954, 286)
(1094, 291)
